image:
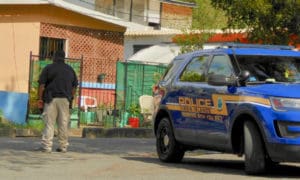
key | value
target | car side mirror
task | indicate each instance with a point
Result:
(243, 77)
(221, 80)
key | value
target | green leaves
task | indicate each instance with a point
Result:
(266, 21)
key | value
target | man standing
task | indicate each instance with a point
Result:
(57, 86)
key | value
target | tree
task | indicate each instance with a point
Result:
(205, 18)
(265, 21)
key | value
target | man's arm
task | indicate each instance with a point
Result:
(40, 96)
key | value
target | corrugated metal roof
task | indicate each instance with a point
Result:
(167, 31)
(152, 32)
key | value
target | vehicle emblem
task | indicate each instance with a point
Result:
(220, 103)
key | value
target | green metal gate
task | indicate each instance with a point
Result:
(135, 79)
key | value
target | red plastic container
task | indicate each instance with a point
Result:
(134, 122)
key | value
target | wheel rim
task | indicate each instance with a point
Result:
(164, 140)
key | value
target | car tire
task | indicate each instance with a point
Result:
(255, 156)
(168, 149)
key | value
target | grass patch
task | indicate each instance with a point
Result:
(37, 126)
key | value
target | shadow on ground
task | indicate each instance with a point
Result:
(219, 166)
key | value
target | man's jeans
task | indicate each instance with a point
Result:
(56, 111)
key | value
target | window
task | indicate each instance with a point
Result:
(221, 65)
(195, 70)
(171, 69)
(270, 68)
(49, 45)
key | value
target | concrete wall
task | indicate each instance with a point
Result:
(17, 40)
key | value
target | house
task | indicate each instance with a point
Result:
(40, 27)
(160, 20)
(43, 26)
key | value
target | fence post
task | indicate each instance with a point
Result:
(29, 84)
(80, 89)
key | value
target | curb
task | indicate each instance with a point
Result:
(16, 132)
(27, 133)
(7, 132)
(117, 132)
(87, 132)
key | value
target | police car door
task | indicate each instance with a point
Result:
(215, 121)
(190, 98)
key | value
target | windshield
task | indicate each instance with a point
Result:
(271, 68)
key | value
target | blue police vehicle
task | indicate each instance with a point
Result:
(237, 98)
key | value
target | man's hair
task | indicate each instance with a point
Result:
(59, 56)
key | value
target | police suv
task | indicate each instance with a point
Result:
(238, 98)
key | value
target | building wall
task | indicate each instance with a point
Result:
(100, 43)
(17, 40)
(100, 49)
(176, 16)
(122, 9)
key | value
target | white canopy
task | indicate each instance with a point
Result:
(156, 54)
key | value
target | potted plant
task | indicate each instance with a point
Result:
(134, 111)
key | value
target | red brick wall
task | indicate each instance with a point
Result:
(100, 49)
(176, 16)
(176, 9)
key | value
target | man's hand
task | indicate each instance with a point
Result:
(40, 104)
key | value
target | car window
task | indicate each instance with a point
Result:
(221, 65)
(174, 65)
(271, 68)
(195, 70)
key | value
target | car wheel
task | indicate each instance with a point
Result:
(255, 156)
(168, 149)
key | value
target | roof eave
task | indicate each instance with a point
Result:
(22, 2)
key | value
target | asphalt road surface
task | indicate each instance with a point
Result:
(121, 158)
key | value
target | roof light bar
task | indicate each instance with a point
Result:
(239, 45)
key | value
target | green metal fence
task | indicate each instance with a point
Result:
(135, 79)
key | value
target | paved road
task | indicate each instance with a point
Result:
(119, 158)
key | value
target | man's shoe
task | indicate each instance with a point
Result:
(62, 150)
(41, 149)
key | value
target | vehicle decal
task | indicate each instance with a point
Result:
(220, 103)
(214, 106)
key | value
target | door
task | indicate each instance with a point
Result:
(216, 119)
(189, 92)
(202, 106)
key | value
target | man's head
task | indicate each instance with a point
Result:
(59, 56)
